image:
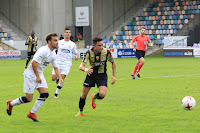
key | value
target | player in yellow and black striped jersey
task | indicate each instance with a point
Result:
(32, 43)
(96, 73)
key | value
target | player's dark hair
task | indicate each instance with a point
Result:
(50, 35)
(97, 39)
(67, 28)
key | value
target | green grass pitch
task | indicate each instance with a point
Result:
(151, 104)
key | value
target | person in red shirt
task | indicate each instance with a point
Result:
(141, 41)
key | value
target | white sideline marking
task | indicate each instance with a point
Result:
(148, 77)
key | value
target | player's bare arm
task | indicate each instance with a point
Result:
(76, 56)
(89, 70)
(34, 65)
(131, 43)
(57, 72)
(114, 72)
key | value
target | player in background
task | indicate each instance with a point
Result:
(34, 78)
(64, 58)
(96, 73)
(32, 43)
(141, 41)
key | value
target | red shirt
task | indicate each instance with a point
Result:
(141, 42)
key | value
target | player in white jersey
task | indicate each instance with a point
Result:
(64, 57)
(34, 78)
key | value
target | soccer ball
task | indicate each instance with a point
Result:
(188, 103)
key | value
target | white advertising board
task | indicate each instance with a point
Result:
(82, 16)
(175, 41)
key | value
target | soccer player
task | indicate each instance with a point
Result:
(64, 58)
(141, 41)
(96, 73)
(32, 43)
(34, 78)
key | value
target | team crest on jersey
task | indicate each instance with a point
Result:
(97, 58)
(65, 51)
(92, 59)
(45, 63)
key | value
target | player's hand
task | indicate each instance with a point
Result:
(113, 80)
(89, 71)
(38, 79)
(134, 49)
(61, 81)
(76, 57)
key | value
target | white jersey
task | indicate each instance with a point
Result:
(64, 55)
(43, 57)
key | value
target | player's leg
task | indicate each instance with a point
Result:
(85, 91)
(64, 71)
(100, 95)
(142, 61)
(29, 58)
(135, 69)
(43, 90)
(59, 86)
(38, 104)
(137, 54)
(29, 86)
(101, 82)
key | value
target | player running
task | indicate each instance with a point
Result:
(34, 78)
(96, 73)
(141, 41)
(64, 58)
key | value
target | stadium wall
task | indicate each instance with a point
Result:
(108, 15)
(42, 16)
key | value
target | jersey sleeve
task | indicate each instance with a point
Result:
(54, 62)
(86, 57)
(39, 55)
(75, 49)
(27, 40)
(135, 38)
(109, 56)
(148, 39)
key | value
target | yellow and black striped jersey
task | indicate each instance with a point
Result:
(98, 61)
(32, 46)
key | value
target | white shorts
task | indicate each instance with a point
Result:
(30, 84)
(64, 69)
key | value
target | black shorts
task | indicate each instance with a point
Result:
(139, 54)
(31, 53)
(99, 79)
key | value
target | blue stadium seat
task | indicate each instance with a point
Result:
(9, 34)
(159, 41)
(135, 28)
(162, 36)
(175, 31)
(167, 31)
(151, 37)
(175, 22)
(1, 34)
